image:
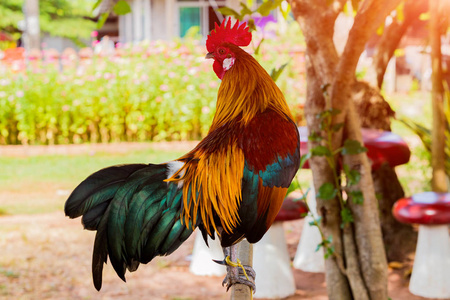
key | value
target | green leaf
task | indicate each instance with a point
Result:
(265, 8)
(259, 46)
(424, 16)
(226, 11)
(285, 10)
(315, 222)
(304, 196)
(122, 7)
(102, 19)
(327, 113)
(245, 10)
(329, 252)
(277, 72)
(327, 191)
(337, 127)
(357, 197)
(97, 3)
(295, 185)
(347, 216)
(380, 30)
(251, 25)
(353, 176)
(400, 10)
(320, 151)
(352, 147)
(315, 137)
(304, 158)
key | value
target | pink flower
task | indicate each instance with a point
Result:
(164, 87)
(213, 84)
(94, 33)
(144, 77)
(108, 76)
(192, 71)
(65, 107)
(205, 110)
(20, 94)
(103, 99)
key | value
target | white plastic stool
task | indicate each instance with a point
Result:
(307, 258)
(202, 256)
(431, 271)
(272, 264)
(430, 276)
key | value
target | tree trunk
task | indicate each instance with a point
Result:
(33, 31)
(399, 239)
(337, 283)
(439, 180)
(359, 268)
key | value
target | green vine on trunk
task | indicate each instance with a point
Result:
(330, 190)
(344, 174)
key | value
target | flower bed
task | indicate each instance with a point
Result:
(149, 92)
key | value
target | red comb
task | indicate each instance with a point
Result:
(238, 35)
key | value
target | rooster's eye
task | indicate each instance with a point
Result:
(221, 51)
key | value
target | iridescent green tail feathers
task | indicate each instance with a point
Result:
(135, 212)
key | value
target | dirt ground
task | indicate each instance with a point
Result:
(48, 256)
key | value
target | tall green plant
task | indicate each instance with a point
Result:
(424, 133)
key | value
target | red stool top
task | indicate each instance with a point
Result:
(382, 146)
(291, 210)
(423, 208)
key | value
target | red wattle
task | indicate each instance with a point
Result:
(217, 67)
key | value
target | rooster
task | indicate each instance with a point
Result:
(231, 184)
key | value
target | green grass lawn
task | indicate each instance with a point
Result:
(40, 184)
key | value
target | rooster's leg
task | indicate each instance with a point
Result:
(236, 272)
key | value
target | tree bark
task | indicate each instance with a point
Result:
(33, 32)
(337, 283)
(366, 219)
(439, 179)
(399, 239)
(359, 268)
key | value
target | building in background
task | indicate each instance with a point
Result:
(167, 19)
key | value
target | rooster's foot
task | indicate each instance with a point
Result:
(238, 274)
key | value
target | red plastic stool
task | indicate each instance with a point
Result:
(431, 271)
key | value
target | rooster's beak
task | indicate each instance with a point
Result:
(210, 55)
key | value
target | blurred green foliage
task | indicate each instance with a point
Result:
(63, 18)
(148, 92)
